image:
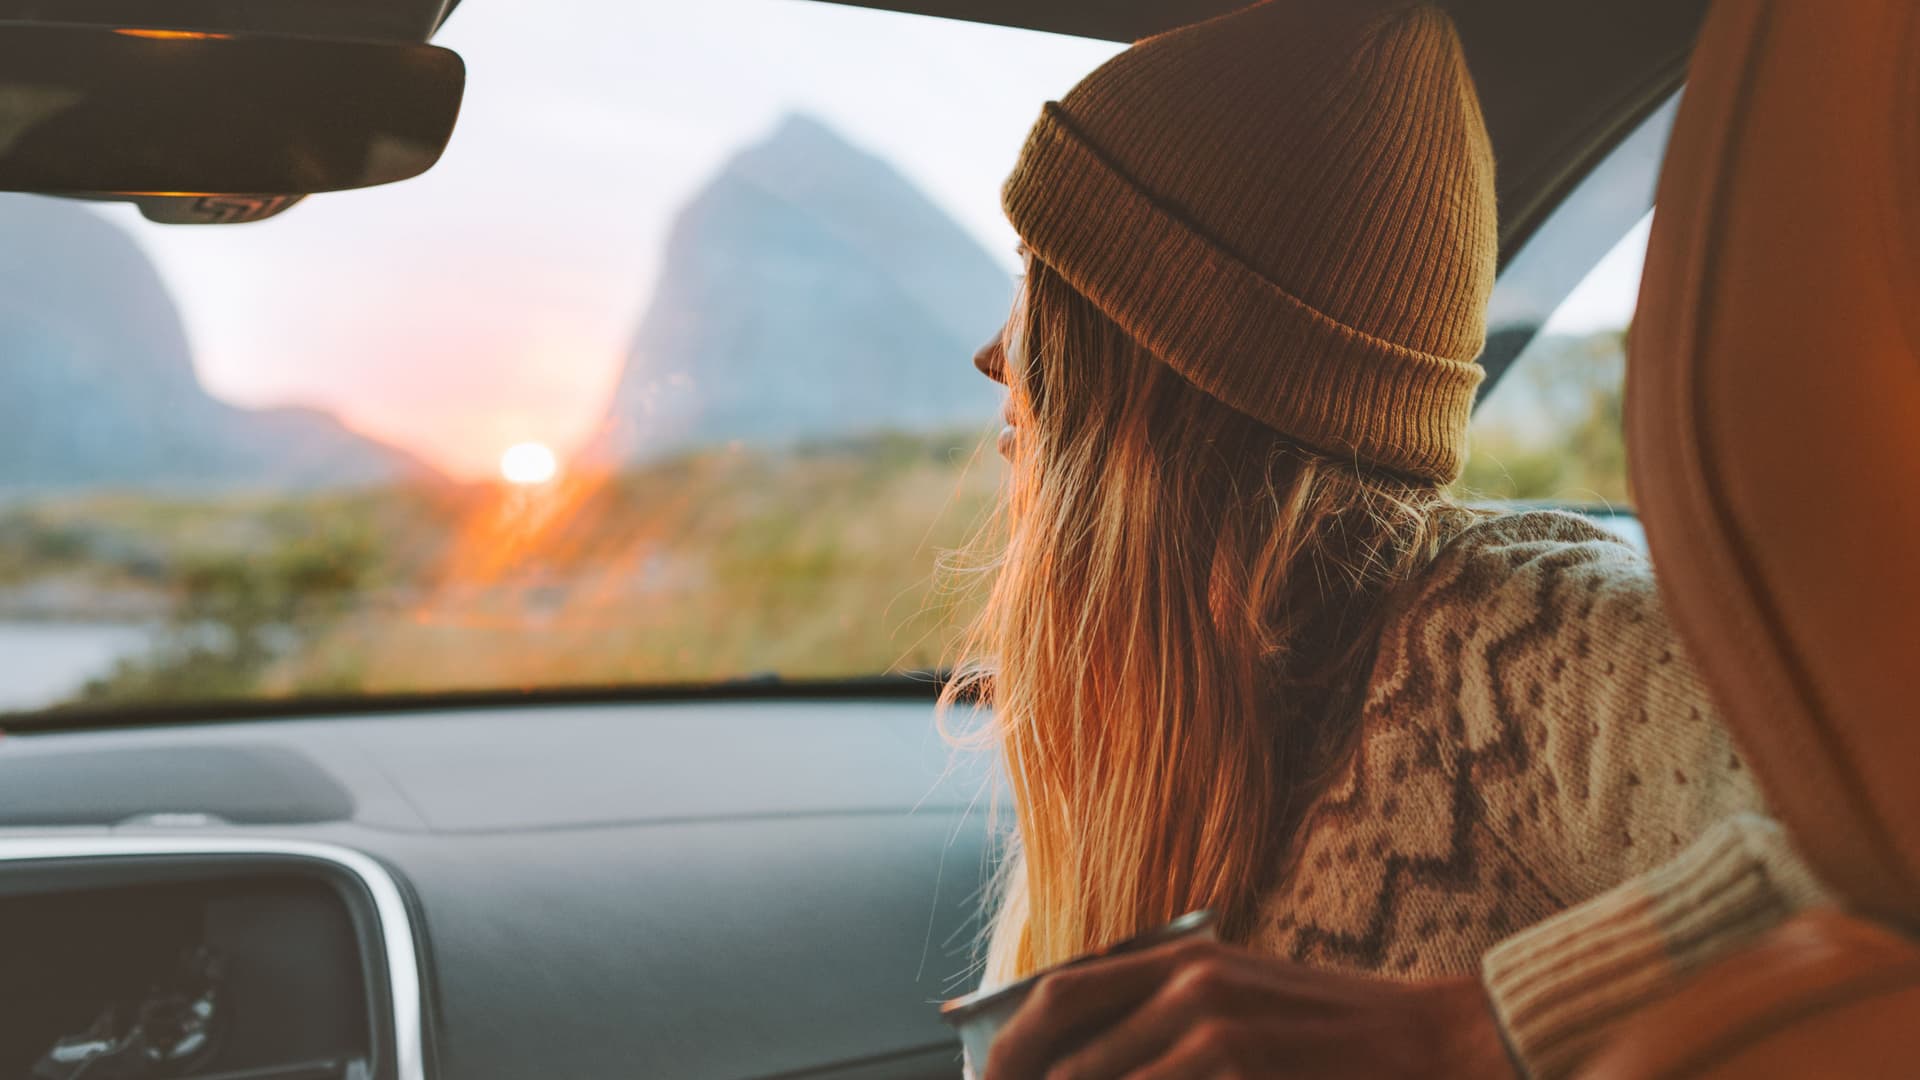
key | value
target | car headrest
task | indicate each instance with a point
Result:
(1773, 416)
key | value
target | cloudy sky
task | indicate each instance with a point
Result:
(491, 301)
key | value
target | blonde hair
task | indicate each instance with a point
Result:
(1176, 639)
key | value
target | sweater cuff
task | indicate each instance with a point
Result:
(1559, 986)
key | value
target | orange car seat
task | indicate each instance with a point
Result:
(1773, 414)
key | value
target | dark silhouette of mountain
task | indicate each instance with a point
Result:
(809, 291)
(97, 387)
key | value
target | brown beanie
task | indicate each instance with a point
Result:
(1293, 206)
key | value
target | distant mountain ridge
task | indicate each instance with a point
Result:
(97, 386)
(809, 290)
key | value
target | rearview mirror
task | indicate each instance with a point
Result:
(98, 110)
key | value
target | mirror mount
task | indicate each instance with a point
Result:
(203, 209)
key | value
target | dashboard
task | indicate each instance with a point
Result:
(736, 889)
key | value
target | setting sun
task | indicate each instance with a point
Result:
(528, 463)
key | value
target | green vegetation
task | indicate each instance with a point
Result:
(237, 616)
(1551, 431)
(811, 562)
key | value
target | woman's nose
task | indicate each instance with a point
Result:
(992, 360)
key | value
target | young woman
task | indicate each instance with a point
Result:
(1244, 650)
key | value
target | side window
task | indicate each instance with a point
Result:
(1547, 431)
(1550, 431)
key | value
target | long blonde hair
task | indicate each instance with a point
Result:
(1176, 638)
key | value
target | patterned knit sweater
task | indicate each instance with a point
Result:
(1533, 741)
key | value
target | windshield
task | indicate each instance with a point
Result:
(662, 375)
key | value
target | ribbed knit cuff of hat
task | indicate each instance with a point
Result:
(1237, 336)
(1558, 987)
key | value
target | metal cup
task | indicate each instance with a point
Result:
(979, 1016)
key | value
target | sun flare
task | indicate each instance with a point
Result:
(528, 463)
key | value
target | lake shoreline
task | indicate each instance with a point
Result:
(49, 661)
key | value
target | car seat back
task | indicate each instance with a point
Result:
(1773, 417)
(1773, 420)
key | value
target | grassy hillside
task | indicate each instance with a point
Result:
(727, 563)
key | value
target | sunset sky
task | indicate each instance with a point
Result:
(491, 302)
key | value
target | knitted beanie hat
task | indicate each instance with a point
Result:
(1292, 205)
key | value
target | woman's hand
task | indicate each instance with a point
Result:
(1200, 1009)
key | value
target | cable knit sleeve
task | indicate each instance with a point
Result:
(1560, 986)
(1631, 803)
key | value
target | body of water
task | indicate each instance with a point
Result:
(44, 663)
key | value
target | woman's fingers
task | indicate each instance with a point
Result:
(1206, 1010)
(1205, 1053)
(1201, 991)
(1067, 1005)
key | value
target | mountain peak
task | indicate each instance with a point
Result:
(804, 160)
(810, 290)
(97, 383)
(805, 131)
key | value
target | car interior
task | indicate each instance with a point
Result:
(734, 864)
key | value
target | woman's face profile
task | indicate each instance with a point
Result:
(991, 361)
